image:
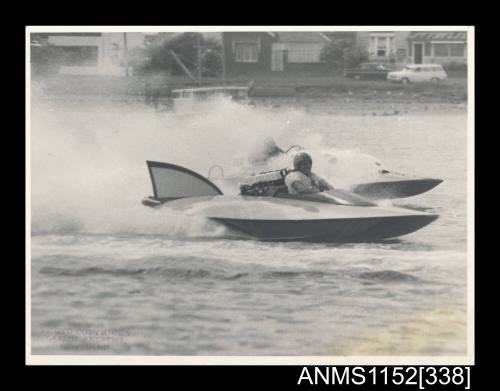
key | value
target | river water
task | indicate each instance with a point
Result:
(112, 277)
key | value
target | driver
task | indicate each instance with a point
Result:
(302, 180)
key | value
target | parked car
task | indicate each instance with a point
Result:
(418, 72)
(368, 70)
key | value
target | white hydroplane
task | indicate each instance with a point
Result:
(264, 209)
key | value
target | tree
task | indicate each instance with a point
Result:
(157, 55)
(341, 53)
(333, 54)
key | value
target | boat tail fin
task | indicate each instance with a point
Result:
(171, 182)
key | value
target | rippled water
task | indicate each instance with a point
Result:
(109, 277)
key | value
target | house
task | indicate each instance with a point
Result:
(254, 52)
(439, 47)
(416, 47)
(89, 53)
(384, 46)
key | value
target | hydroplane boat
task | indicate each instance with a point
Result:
(264, 209)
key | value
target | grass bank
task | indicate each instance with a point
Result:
(452, 90)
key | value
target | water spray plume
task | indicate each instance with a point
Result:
(88, 158)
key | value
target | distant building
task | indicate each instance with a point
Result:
(247, 52)
(384, 46)
(438, 47)
(89, 53)
(253, 52)
(416, 47)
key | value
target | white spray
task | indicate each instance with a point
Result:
(88, 158)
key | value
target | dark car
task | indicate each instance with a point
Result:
(368, 70)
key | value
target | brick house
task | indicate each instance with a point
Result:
(254, 52)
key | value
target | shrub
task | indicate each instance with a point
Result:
(332, 54)
(340, 54)
(455, 67)
(352, 57)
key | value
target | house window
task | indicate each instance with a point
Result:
(441, 50)
(457, 50)
(246, 52)
(381, 45)
(427, 49)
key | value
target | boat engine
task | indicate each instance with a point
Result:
(265, 183)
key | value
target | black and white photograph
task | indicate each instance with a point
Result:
(296, 195)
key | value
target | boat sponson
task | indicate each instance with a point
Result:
(330, 230)
(395, 189)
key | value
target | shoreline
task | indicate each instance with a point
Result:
(338, 104)
(323, 95)
(452, 90)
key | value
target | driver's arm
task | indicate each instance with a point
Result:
(324, 185)
(301, 188)
(321, 183)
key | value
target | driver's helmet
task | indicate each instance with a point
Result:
(300, 158)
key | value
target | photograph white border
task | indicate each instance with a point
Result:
(468, 359)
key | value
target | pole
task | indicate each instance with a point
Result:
(199, 58)
(184, 68)
(223, 55)
(125, 53)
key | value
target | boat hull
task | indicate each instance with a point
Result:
(331, 230)
(275, 219)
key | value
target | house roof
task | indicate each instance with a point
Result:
(302, 37)
(438, 35)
